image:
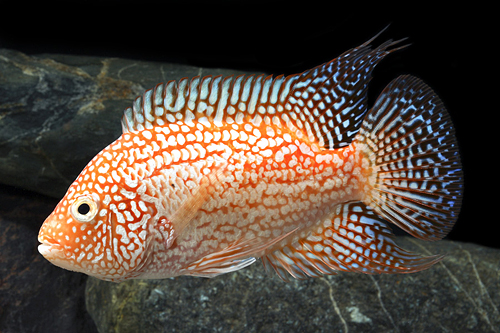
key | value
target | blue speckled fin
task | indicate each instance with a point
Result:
(409, 139)
(328, 102)
(352, 239)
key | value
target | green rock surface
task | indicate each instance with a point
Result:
(459, 294)
(59, 111)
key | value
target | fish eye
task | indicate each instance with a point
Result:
(84, 209)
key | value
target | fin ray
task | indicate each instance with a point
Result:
(329, 100)
(352, 239)
(326, 104)
(174, 225)
(236, 256)
(410, 139)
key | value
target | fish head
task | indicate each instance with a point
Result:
(98, 228)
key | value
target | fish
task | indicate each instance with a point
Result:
(212, 173)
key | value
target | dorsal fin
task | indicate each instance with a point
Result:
(326, 104)
(330, 100)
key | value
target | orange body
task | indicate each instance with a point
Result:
(212, 173)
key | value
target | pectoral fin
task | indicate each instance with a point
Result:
(174, 225)
(234, 257)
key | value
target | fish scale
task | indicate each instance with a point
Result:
(281, 201)
(212, 173)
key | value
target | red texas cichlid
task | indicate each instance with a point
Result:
(212, 173)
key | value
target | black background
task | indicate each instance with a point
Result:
(453, 50)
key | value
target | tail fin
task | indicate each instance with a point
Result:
(416, 181)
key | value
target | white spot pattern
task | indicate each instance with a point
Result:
(215, 162)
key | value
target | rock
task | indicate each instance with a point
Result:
(35, 296)
(56, 113)
(59, 111)
(460, 294)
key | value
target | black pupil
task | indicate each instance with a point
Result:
(83, 209)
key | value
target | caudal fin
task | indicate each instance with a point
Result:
(416, 180)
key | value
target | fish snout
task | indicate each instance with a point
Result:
(49, 246)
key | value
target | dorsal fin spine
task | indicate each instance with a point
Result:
(247, 89)
(222, 101)
(146, 106)
(159, 95)
(255, 93)
(214, 90)
(182, 89)
(290, 80)
(265, 89)
(194, 93)
(170, 93)
(235, 94)
(204, 87)
(136, 107)
(277, 83)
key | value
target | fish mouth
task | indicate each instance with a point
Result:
(49, 248)
(46, 249)
(54, 252)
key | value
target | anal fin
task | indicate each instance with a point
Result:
(352, 239)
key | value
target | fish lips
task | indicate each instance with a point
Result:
(49, 249)
(54, 253)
